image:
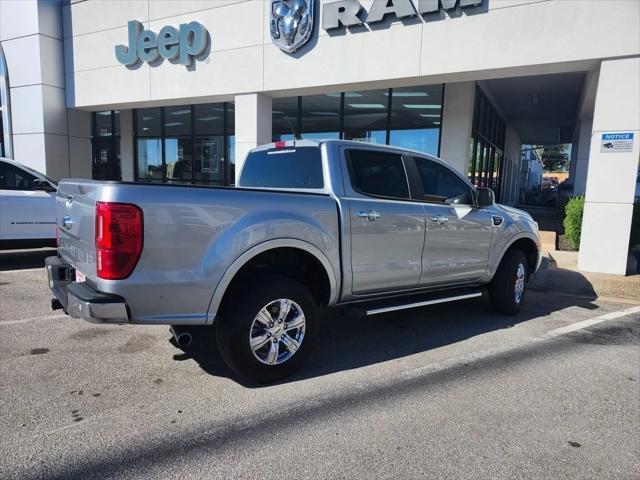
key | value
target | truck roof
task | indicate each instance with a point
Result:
(338, 143)
(317, 143)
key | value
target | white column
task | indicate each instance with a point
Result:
(127, 164)
(511, 169)
(582, 147)
(79, 143)
(253, 124)
(31, 36)
(457, 120)
(611, 177)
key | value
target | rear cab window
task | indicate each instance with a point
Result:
(287, 167)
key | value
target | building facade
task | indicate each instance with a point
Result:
(163, 91)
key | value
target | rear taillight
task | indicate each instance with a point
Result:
(119, 239)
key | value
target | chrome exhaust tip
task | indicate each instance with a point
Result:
(181, 335)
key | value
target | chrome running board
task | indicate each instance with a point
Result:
(434, 301)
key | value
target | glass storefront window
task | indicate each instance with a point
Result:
(148, 123)
(210, 160)
(320, 116)
(231, 148)
(231, 144)
(408, 117)
(116, 122)
(416, 115)
(190, 144)
(365, 116)
(177, 120)
(209, 119)
(285, 118)
(149, 159)
(178, 157)
(488, 136)
(105, 145)
(103, 126)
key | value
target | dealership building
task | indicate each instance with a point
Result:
(179, 91)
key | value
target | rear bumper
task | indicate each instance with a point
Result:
(80, 300)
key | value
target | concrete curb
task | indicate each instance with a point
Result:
(584, 284)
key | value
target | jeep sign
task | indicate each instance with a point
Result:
(183, 43)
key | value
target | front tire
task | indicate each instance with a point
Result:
(265, 332)
(508, 287)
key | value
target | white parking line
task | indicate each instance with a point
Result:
(32, 319)
(507, 347)
(591, 321)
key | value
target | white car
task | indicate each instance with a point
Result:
(27, 207)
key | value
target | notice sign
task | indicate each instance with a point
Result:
(616, 142)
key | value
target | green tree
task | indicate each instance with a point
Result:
(555, 158)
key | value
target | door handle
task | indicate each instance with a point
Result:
(371, 215)
(440, 219)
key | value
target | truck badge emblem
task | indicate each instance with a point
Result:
(67, 222)
(291, 23)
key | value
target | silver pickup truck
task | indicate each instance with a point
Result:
(311, 224)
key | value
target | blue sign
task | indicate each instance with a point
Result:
(182, 45)
(617, 136)
(616, 142)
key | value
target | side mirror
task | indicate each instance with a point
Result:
(43, 185)
(485, 197)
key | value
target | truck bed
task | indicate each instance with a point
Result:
(191, 237)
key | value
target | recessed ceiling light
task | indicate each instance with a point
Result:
(327, 114)
(430, 115)
(108, 112)
(421, 105)
(436, 123)
(408, 94)
(347, 95)
(208, 119)
(173, 124)
(147, 118)
(180, 112)
(366, 105)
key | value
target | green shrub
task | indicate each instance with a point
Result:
(573, 220)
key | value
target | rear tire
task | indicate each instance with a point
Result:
(252, 336)
(508, 287)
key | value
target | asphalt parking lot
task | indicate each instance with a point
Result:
(450, 391)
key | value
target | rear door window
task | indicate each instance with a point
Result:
(289, 167)
(379, 174)
(13, 178)
(441, 185)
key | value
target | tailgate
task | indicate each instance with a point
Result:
(75, 213)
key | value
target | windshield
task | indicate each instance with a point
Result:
(290, 167)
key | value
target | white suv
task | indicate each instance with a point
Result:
(27, 207)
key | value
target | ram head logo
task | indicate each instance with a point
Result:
(291, 23)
